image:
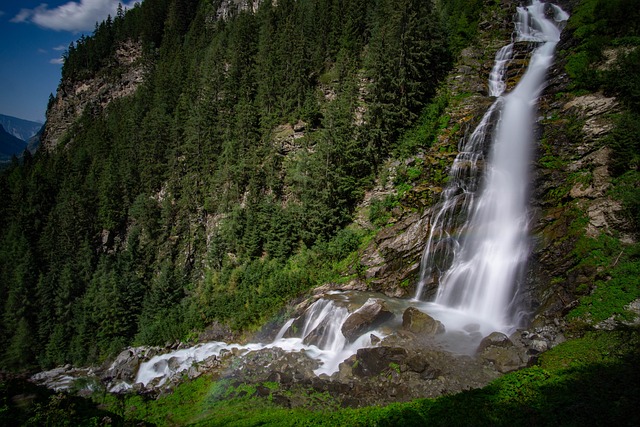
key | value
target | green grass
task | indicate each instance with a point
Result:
(614, 269)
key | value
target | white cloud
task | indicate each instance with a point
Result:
(41, 50)
(22, 16)
(72, 16)
(59, 48)
(57, 61)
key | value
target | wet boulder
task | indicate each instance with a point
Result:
(62, 377)
(318, 336)
(418, 322)
(126, 365)
(368, 317)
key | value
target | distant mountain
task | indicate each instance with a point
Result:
(34, 142)
(20, 128)
(10, 145)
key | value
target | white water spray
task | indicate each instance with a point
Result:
(478, 245)
(322, 320)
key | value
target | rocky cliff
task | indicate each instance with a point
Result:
(75, 97)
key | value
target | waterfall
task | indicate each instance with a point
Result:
(478, 241)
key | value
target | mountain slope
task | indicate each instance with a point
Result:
(187, 191)
(20, 128)
(10, 145)
(222, 185)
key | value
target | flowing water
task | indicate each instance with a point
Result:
(478, 242)
(323, 319)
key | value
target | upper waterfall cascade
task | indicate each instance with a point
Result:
(478, 241)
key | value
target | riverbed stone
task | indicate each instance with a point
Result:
(419, 322)
(372, 361)
(494, 339)
(504, 359)
(499, 351)
(368, 317)
(317, 337)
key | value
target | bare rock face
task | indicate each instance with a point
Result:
(230, 8)
(74, 97)
(418, 322)
(577, 157)
(368, 317)
(286, 137)
(394, 255)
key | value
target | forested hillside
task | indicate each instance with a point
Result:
(219, 189)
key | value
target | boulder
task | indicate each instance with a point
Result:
(125, 367)
(418, 322)
(375, 340)
(504, 359)
(373, 361)
(498, 350)
(368, 317)
(494, 339)
(317, 337)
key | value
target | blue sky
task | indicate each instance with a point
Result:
(33, 37)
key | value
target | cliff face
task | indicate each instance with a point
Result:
(572, 193)
(74, 97)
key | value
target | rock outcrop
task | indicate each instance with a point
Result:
(125, 366)
(571, 180)
(75, 97)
